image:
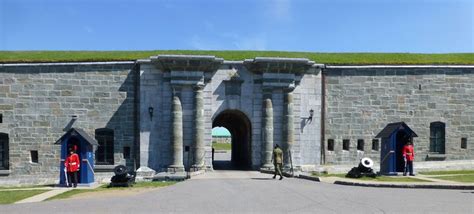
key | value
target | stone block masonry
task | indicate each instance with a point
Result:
(164, 108)
(38, 100)
(361, 100)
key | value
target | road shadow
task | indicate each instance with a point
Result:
(229, 165)
(263, 179)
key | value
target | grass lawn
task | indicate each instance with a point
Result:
(222, 146)
(24, 187)
(326, 58)
(137, 185)
(456, 172)
(458, 178)
(8, 197)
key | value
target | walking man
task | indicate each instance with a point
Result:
(408, 156)
(72, 165)
(277, 161)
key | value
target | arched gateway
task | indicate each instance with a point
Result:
(240, 129)
(261, 101)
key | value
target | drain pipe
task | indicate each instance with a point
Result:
(323, 113)
(136, 112)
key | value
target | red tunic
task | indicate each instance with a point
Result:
(409, 152)
(72, 163)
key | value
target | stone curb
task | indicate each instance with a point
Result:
(413, 186)
(308, 177)
(392, 185)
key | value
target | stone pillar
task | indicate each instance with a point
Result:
(288, 128)
(198, 128)
(177, 137)
(267, 131)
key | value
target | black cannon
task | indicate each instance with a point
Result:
(364, 169)
(122, 177)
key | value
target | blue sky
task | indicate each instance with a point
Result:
(421, 26)
(220, 131)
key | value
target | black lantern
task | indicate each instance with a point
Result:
(311, 113)
(150, 111)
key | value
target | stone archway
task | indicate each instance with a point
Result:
(240, 128)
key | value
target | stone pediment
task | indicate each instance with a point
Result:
(187, 62)
(278, 65)
(185, 70)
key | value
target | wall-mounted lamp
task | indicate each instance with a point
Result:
(150, 111)
(311, 113)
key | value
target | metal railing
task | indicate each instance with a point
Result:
(90, 166)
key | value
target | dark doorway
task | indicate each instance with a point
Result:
(240, 129)
(402, 139)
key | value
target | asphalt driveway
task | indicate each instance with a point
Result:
(253, 192)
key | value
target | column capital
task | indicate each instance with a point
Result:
(176, 90)
(199, 86)
(289, 89)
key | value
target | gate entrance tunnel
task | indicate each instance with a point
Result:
(240, 129)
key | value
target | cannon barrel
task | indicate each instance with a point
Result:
(122, 177)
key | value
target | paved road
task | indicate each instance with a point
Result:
(252, 192)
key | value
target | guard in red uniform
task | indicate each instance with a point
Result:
(408, 156)
(72, 165)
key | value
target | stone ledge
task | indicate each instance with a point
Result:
(436, 157)
(5, 172)
(417, 186)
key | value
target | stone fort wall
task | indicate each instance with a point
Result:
(362, 100)
(38, 100)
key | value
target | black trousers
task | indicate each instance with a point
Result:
(72, 178)
(408, 168)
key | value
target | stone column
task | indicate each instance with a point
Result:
(177, 137)
(288, 128)
(267, 131)
(198, 128)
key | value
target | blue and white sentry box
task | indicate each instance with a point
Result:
(85, 145)
(394, 137)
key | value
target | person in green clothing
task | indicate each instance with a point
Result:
(277, 159)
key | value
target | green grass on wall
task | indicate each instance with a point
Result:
(325, 58)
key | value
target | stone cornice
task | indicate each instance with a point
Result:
(278, 65)
(186, 62)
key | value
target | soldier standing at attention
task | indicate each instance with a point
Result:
(277, 161)
(72, 165)
(408, 156)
